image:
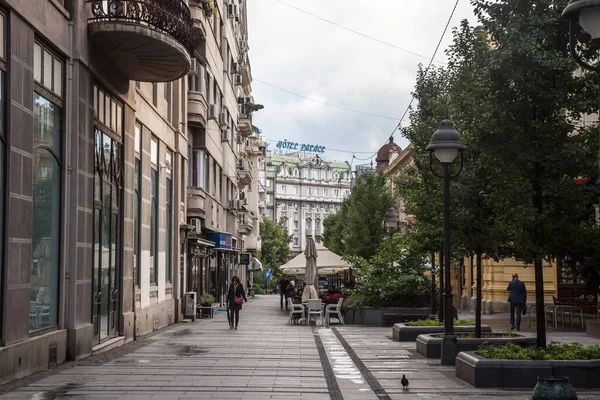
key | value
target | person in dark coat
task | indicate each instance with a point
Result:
(517, 297)
(236, 290)
(283, 284)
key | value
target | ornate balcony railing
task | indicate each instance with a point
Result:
(171, 17)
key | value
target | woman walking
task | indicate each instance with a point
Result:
(235, 298)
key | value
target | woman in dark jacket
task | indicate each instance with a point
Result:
(236, 290)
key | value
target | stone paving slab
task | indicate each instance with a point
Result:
(269, 359)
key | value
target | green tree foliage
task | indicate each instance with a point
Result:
(512, 91)
(356, 229)
(275, 249)
(393, 277)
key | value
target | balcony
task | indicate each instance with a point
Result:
(197, 108)
(244, 172)
(200, 16)
(246, 71)
(245, 224)
(196, 202)
(309, 232)
(148, 40)
(245, 124)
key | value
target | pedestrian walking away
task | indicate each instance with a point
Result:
(236, 296)
(283, 284)
(517, 297)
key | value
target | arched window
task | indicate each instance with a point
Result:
(46, 212)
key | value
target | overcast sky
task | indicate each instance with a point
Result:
(305, 55)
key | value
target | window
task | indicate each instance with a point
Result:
(325, 192)
(295, 224)
(154, 94)
(2, 149)
(168, 88)
(154, 151)
(169, 233)
(47, 159)
(154, 226)
(336, 193)
(46, 213)
(269, 182)
(283, 188)
(296, 189)
(137, 203)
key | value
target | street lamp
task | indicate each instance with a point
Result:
(445, 144)
(391, 221)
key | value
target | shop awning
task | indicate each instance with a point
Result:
(255, 265)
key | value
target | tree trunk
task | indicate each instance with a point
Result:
(478, 296)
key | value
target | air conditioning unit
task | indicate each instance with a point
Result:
(212, 111)
(223, 118)
(233, 204)
(238, 79)
(234, 68)
(196, 224)
(225, 135)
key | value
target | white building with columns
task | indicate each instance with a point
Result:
(299, 190)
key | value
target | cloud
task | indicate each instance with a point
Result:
(316, 59)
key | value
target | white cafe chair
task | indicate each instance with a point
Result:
(334, 310)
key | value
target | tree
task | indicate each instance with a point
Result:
(275, 250)
(511, 90)
(356, 229)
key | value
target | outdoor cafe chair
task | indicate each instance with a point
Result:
(314, 308)
(295, 309)
(334, 310)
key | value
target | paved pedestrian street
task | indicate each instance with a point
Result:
(265, 359)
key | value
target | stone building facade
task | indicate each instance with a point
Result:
(96, 130)
(300, 190)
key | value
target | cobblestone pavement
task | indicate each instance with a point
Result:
(265, 359)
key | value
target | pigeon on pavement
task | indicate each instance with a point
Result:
(404, 382)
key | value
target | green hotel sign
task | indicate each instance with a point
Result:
(314, 148)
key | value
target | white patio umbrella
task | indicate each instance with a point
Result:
(310, 273)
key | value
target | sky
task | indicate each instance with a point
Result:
(313, 58)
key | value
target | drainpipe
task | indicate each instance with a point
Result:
(70, 221)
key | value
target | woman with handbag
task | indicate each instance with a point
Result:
(236, 295)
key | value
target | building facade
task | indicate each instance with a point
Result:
(222, 206)
(299, 191)
(97, 129)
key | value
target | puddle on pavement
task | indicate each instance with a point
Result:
(59, 392)
(188, 351)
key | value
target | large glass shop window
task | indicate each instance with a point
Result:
(47, 158)
(2, 156)
(108, 192)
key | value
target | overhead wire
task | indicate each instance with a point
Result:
(355, 31)
(429, 65)
(323, 102)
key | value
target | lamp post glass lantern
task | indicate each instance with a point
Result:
(445, 144)
(391, 221)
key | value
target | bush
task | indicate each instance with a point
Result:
(436, 322)
(394, 277)
(207, 298)
(554, 351)
(258, 289)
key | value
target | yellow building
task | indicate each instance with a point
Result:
(559, 282)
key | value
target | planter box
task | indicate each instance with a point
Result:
(431, 347)
(385, 316)
(404, 333)
(484, 372)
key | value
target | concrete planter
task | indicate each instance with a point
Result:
(483, 372)
(404, 333)
(385, 316)
(431, 347)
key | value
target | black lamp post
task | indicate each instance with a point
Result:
(445, 144)
(391, 222)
